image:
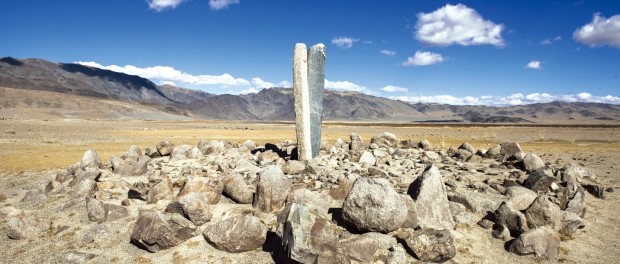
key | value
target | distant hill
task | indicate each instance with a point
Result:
(38, 88)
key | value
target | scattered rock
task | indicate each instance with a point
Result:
(239, 233)
(96, 210)
(385, 140)
(363, 248)
(431, 201)
(425, 145)
(90, 159)
(367, 159)
(509, 149)
(431, 245)
(293, 167)
(165, 148)
(531, 162)
(238, 190)
(373, 205)
(520, 198)
(542, 242)
(309, 234)
(511, 218)
(596, 190)
(272, 189)
(477, 202)
(539, 181)
(155, 231)
(75, 257)
(543, 212)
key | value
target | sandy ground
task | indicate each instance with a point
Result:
(29, 149)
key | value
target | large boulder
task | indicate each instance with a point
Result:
(160, 190)
(509, 149)
(209, 188)
(468, 147)
(237, 189)
(90, 159)
(539, 181)
(385, 140)
(155, 231)
(431, 200)
(320, 201)
(357, 144)
(574, 171)
(309, 234)
(543, 212)
(194, 206)
(531, 162)
(367, 159)
(130, 166)
(431, 245)
(293, 167)
(271, 190)
(543, 242)
(164, 148)
(374, 205)
(237, 233)
(477, 202)
(511, 218)
(493, 152)
(520, 198)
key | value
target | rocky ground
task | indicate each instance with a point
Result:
(382, 200)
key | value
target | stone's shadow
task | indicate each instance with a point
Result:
(281, 152)
(336, 213)
(273, 245)
(508, 244)
(414, 188)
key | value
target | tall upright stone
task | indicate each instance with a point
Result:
(308, 86)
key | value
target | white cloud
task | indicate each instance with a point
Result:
(345, 86)
(550, 41)
(533, 65)
(167, 83)
(249, 91)
(160, 5)
(344, 42)
(394, 89)
(259, 83)
(514, 99)
(388, 52)
(221, 4)
(423, 58)
(600, 32)
(457, 24)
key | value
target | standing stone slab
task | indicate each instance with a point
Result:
(308, 86)
(431, 200)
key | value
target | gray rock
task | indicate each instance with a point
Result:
(293, 167)
(34, 196)
(195, 207)
(363, 248)
(115, 212)
(130, 166)
(493, 152)
(209, 188)
(511, 218)
(164, 148)
(385, 140)
(577, 172)
(431, 201)
(397, 255)
(463, 154)
(501, 232)
(520, 198)
(509, 149)
(596, 190)
(373, 205)
(543, 212)
(542, 242)
(160, 191)
(320, 201)
(249, 145)
(357, 144)
(531, 162)
(184, 152)
(539, 181)
(271, 190)
(151, 153)
(571, 224)
(367, 159)
(155, 231)
(96, 210)
(577, 203)
(90, 159)
(239, 233)
(425, 145)
(431, 245)
(23, 225)
(238, 190)
(309, 234)
(477, 202)
(468, 147)
(268, 157)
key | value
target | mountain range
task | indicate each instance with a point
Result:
(36, 88)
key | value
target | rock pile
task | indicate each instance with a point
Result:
(389, 201)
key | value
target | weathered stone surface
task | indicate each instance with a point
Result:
(373, 205)
(357, 144)
(238, 190)
(155, 231)
(571, 224)
(363, 248)
(477, 202)
(34, 196)
(468, 147)
(542, 241)
(293, 167)
(22, 225)
(316, 88)
(184, 152)
(90, 159)
(385, 140)
(501, 232)
(463, 154)
(431, 245)
(577, 204)
(531, 162)
(238, 233)
(130, 166)
(301, 92)
(96, 210)
(574, 171)
(151, 153)
(210, 189)
(165, 148)
(493, 152)
(539, 181)
(195, 207)
(320, 201)
(596, 190)
(367, 159)
(75, 257)
(271, 190)
(425, 145)
(509, 149)
(161, 190)
(268, 157)
(520, 198)
(511, 218)
(309, 234)
(431, 200)
(543, 212)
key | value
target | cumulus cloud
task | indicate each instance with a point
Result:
(345, 86)
(533, 65)
(514, 99)
(221, 4)
(457, 24)
(160, 5)
(600, 32)
(394, 89)
(423, 58)
(344, 42)
(388, 52)
(259, 83)
(249, 91)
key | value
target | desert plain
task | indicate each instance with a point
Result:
(33, 150)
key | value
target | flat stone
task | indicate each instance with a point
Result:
(239, 233)
(155, 231)
(543, 242)
(477, 202)
(543, 212)
(431, 245)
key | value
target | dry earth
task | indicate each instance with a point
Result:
(31, 149)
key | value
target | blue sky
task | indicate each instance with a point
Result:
(464, 52)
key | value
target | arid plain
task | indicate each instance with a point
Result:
(30, 149)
